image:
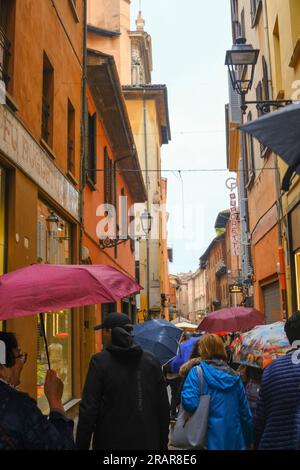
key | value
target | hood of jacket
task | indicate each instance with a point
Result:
(123, 346)
(219, 375)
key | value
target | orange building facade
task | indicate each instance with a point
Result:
(40, 154)
(109, 187)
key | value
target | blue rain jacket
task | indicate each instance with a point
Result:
(230, 425)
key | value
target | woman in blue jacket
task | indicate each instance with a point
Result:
(230, 425)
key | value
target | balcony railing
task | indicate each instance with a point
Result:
(4, 57)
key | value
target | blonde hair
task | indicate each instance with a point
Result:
(212, 347)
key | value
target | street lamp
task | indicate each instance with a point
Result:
(241, 61)
(146, 221)
(52, 223)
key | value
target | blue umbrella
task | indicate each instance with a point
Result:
(183, 354)
(159, 337)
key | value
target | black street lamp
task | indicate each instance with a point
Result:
(241, 61)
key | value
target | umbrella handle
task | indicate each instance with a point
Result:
(45, 339)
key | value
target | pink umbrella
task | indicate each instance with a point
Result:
(232, 319)
(47, 287)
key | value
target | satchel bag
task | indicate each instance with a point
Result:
(190, 431)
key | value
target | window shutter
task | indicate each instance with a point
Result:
(94, 150)
(106, 177)
(265, 80)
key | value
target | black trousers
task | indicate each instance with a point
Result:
(174, 385)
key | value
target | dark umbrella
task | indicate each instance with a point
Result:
(232, 319)
(160, 337)
(279, 131)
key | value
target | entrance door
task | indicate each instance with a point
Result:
(272, 303)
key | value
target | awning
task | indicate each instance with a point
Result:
(280, 132)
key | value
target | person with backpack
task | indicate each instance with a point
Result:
(22, 424)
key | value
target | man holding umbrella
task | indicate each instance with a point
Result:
(22, 424)
(124, 403)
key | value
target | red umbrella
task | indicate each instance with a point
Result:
(232, 319)
(47, 287)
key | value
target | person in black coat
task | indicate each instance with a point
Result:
(22, 424)
(124, 403)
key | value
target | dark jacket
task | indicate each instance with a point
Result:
(124, 403)
(277, 424)
(24, 427)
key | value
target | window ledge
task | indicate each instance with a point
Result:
(296, 55)
(48, 149)
(72, 178)
(74, 11)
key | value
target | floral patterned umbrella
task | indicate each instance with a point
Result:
(260, 346)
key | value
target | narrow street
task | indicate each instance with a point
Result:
(150, 227)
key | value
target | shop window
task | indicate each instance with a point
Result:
(295, 247)
(2, 225)
(71, 138)
(47, 101)
(105, 310)
(54, 246)
(297, 265)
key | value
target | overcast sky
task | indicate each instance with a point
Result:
(189, 41)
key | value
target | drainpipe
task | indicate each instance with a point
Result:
(83, 129)
(148, 203)
(281, 264)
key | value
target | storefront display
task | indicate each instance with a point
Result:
(2, 225)
(54, 247)
(295, 232)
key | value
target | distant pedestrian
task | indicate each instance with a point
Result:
(230, 425)
(251, 377)
(22, 424)
(124, 402)
(277, 424)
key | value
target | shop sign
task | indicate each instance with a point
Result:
(231, 184)
(18, 145)
(236, 289)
